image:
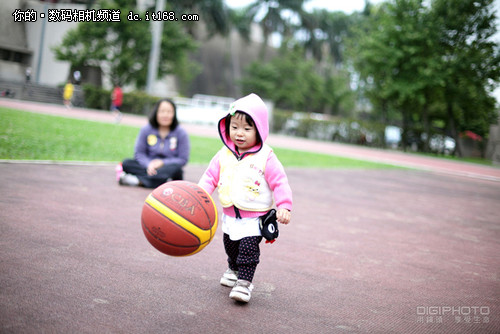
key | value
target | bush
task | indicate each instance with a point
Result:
(279, 119)
(323, 127)
(136, 102)
(96, 97)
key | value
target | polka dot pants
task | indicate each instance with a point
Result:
(243, 255)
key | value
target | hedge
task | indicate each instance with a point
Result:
(308, 125)
(324, 127)
(136, 102)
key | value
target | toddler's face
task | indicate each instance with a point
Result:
(242, 134)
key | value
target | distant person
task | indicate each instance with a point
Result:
(161, 150)
(68, 94)
(28, 74)
(116, 103)
(77, 75)
(7, 93)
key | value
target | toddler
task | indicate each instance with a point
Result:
(248, 175)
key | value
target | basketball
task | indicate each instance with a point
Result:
(179, 218)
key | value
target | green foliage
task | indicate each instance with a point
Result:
(344, 130)
(471, 63)
(124, 46)
(214, 14)
(326, 30)
(297, 85)
(280, 118)
(272, 16)
(96, 97)
(429, 64)
(293, 82)
(136, 102)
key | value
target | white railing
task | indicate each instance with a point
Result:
(202, 109)
(206, 109)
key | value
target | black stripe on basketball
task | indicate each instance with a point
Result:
(178, 187)
(173, 223)
(195, 187)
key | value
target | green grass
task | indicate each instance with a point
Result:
(294, 158)
(32, 136)
(474, 160)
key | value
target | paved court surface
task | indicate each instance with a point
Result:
(366, 252)
(377, 251)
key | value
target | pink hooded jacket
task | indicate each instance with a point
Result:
(274, 173)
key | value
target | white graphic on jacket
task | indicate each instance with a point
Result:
(253, 189)
(242, 183)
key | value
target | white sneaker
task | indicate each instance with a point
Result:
(229, 278)
(128, 180)
(242, 291)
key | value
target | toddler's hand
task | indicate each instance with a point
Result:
(283, 216)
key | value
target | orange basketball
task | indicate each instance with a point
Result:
(179, 218)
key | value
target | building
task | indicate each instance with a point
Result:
(26, 40)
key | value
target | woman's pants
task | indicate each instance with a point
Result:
(170, 171)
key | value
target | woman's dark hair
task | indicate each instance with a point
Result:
(152, 117)
(248, 119)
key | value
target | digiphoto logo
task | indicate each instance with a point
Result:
(458, 314)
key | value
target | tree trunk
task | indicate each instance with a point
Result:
(384, 119)
(405, 128)
(453, 129)
(427, 127)
(235, 65)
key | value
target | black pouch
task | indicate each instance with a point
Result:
(269, 226)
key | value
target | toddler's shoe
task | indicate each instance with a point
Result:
(229, 278)
(242, 291)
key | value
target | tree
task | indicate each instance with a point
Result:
(214, 14)
(390, 52)
(325, 34)
(293, 82)
(430, 64)
(338, 96)
(274, 16)
(471, 64)
(289, 80)
(121, 49)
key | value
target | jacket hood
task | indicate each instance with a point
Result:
(254, 106)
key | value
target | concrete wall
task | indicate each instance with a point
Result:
(12, 38)
(223, 58)
(12, 71)
(36, 38)
(41, 36)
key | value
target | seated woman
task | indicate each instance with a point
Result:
(161, 150)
